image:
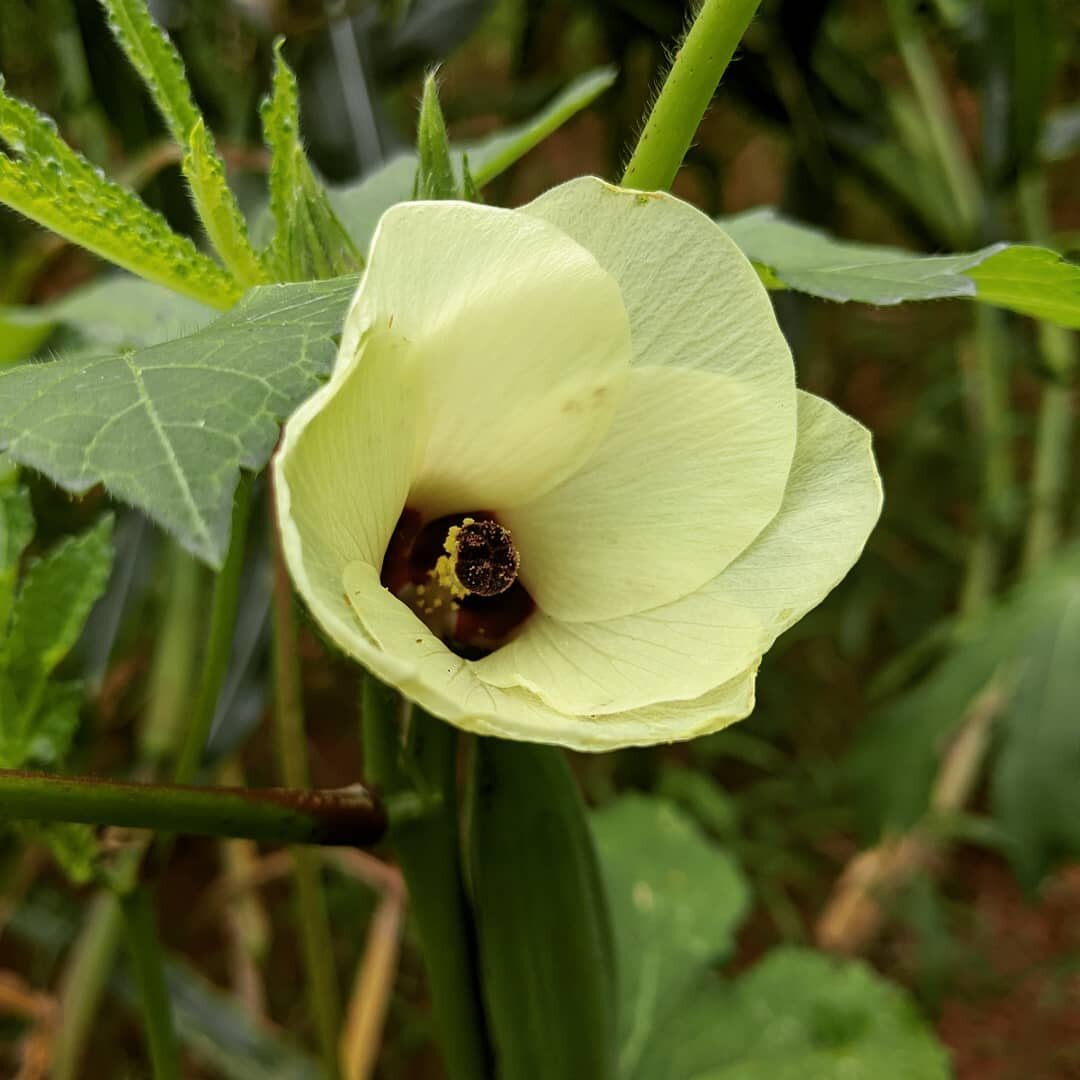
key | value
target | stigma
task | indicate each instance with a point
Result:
(459, 575)
(479, 559)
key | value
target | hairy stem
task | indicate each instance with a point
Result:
(171, 674)
(699, 64)
(313, 921)
(342, 816)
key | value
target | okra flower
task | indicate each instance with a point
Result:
(561, 486)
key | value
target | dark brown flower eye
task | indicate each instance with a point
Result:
(487, 561)
(459, 574)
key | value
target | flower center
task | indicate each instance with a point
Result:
(459, 575)
(480, 559)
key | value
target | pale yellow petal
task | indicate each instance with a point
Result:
(692, 469)
(396, 646)
(679, 650)
(694, 299)
(518, 339)
(342, 473)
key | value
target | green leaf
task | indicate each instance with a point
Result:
(543, 932)
(54, 601)
(38, 718)
(19, 338)
(895, 761)
(1030, 280)
(470, 190)
(73, 846)
(814, 262)
(688, 1042)
(361, 205)
(118, 310)
(1018, 50)
(676, 901)
(700, 795)
(435, 178)
(168, 428)
(158, 63)
(221, 1034)
(50, 730)
(51, 184)
(16, 532)
(1035, 789)
(1033, 281)
(218, 208)
(797, 1015)
(492, 156)
(897, 754)
(309, 241)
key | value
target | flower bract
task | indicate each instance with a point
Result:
(561, 485)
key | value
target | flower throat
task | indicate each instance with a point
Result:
(459, 574)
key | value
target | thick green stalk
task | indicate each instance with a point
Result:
(699, 64)
(324, 1001)
(148, 964)
(342, 816)
(1054, 431)
(219, 640)
(427, 851)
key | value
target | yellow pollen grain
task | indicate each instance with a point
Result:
(445, 572)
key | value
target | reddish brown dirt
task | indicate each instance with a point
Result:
(1018, 1018)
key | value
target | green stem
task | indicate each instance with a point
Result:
(84, 118)
(88, 967)
(348, 816)
(991, 408)
(172, 671)
(149, 968)
(699, 64)
(1049, 480)
(941, 125)
(1054, 431)
(324, 1001)
(427, 851)
(174, 665)
(219, 642)
(989, 381)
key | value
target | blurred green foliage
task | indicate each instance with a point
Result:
(858, 706)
